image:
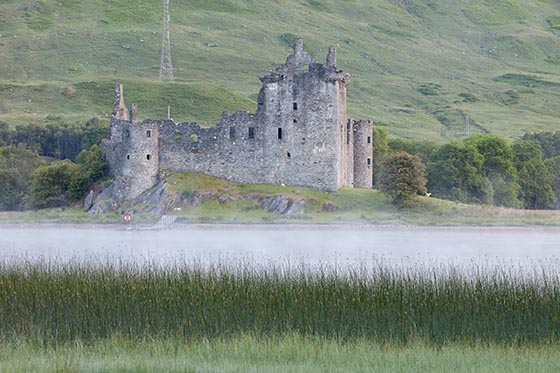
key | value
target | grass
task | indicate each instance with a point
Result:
(291, 353)
(194, 102)
(438, 305)
(239, 204)
(220, 47)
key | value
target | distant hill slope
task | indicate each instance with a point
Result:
(419, 68)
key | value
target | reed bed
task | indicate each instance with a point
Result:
(59, 303)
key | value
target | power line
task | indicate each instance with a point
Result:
(166, 67)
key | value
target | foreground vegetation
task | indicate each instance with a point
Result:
(54, 305)
(240, 318)
(290, 353)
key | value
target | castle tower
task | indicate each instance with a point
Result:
(302, 105)
(363, 154)
(132, 151)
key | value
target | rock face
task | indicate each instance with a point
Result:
(299, 136)
(282, 205)
(88, 202)
(104, 202)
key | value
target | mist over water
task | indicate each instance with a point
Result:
(286, 245)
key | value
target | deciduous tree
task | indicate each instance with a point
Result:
(402, 176)
(455, 172)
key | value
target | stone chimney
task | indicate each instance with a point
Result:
(119, 110)
(298, 46)
(331, 57)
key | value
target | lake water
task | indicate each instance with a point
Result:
(282, 244)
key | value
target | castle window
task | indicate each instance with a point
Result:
(148, 157)
(232, 132)
(128, 156)
(369, 161)
(279, 133)
(251, 132)
(369, 139)
(289, 155)
(295, 105)
(295, 120)
(149, 133)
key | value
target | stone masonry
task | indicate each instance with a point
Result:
(299, 136)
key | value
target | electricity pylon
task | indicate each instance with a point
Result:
(166, 67)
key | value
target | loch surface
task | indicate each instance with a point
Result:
(292, 244)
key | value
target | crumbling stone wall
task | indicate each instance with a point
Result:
(299, 136)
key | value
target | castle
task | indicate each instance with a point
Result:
(299, 136)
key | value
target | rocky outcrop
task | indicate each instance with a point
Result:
(104, 202)
(88, 202)
(158, 200)
(282, 205)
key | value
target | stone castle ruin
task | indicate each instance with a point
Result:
(299, 136)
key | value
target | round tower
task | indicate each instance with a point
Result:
(132, 151)
(363, 154)
(141, 161)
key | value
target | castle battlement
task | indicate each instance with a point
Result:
(299, 136)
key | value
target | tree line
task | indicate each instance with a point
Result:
(55, 164)
(49, 165)
(483, 169)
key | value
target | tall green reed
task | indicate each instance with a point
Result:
(56, 303)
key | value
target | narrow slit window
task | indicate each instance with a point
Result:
(128, 156)
(295, 106)
(289, 155)
(251, 132)
(295, 120)
(148, 133)
(369, 161)
(232, 132)
(279, 133)
(369, 139)
(148, 157)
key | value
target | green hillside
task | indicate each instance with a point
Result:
(419, 67)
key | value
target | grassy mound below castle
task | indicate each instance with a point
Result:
(198, 198)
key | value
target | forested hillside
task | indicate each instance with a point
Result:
(419, 68)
